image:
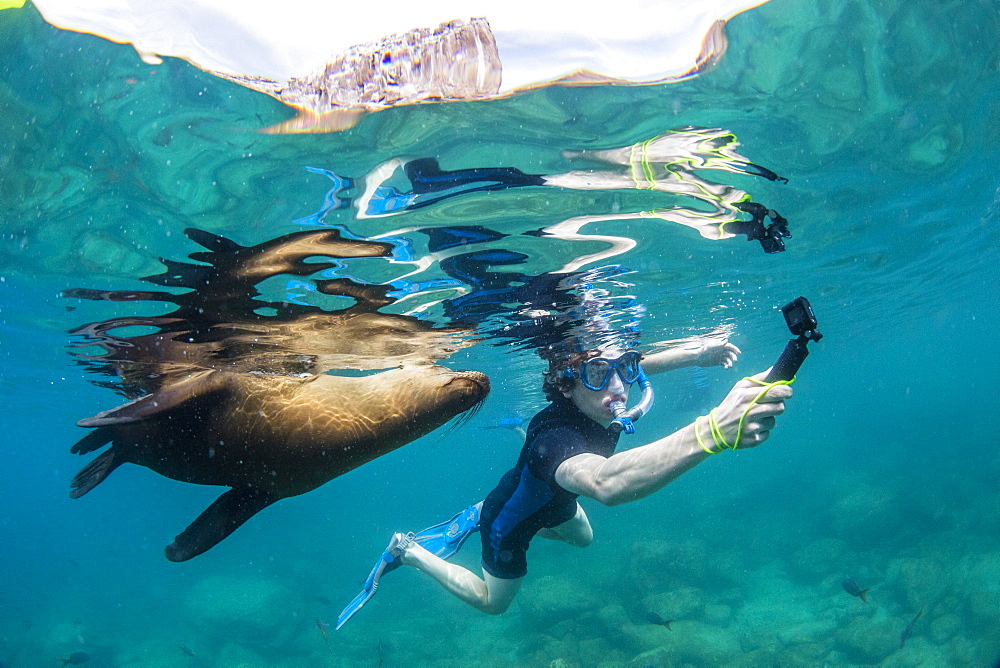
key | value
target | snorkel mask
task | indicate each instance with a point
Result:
(595, 374)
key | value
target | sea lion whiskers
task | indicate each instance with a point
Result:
(464, 418)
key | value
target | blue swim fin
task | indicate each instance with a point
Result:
(442, 540)
(445, 539)
(385, 563)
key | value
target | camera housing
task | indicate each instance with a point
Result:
(800, 318)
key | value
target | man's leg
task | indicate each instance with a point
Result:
(576, 531)
(490, 595)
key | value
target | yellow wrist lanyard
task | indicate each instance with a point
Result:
(713, 424)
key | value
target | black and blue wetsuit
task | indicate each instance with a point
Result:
(528, 498)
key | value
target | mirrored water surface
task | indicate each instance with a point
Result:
(151, 234)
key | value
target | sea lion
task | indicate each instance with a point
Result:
(269, 437)
(264, 396)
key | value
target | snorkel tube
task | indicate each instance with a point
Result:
(625, 417)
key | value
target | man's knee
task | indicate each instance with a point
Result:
(501, 593)
(496, 607)
(582, 537)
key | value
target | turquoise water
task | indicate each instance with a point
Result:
(884, 120)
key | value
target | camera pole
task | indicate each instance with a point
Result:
(801, 320)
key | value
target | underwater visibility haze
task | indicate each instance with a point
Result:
(342, 328)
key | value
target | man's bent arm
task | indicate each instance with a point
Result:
(705, 351)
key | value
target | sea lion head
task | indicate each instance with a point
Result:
(414, 400)
(351, 421)
(463, 390)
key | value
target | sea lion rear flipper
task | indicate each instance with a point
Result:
(171, 396)
(219, 520)
(94, 473)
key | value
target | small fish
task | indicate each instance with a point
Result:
(163, 137)
(852, 588)
(654, 618)
(75, 659)
(908, 631)
(187, 650)
(323, 600)
(26, 624)
(322, 629)
(506, 423)
(380, 649)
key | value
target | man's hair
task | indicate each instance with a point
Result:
(555, 380)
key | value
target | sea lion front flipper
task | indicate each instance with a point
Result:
(94, 473)
(171, 396)
(219, 520)
(95, 440)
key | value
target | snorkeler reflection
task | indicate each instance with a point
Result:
(668, 164)
(271, 398)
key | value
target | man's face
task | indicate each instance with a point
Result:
(597, 404)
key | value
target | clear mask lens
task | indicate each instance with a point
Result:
(596, 373)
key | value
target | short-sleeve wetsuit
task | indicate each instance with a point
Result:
(528, 497)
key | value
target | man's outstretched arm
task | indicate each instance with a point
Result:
(636, 473)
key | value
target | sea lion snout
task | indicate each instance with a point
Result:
(470, 387)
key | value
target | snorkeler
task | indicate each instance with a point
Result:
(569, 452)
